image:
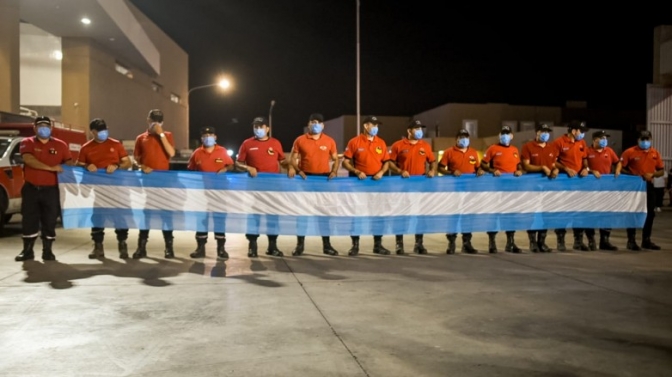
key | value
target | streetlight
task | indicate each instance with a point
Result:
(223, 83)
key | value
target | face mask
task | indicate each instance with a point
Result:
(373, 131)
(44, 132)
(603, 143)
(580, 136)
(316, 128)
(102, 135)
(505, 139)
(209, 141)
(463, 142)
(544, 136)
(417, 134)
(259, 133)
(645, 144)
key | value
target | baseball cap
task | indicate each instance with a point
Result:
(462, 132)
(155, 115)
(208, 130)
(600, 134)
(97, 124)
(372, 119)
(505, 130)
(316, 116)
(415, 124)
(544, 127)
(259, 120)
(645, 134)
(576, 125)
(42, 120)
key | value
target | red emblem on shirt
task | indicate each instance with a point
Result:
(270, 151)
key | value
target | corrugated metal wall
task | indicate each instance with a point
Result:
(659, 120)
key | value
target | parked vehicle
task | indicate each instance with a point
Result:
(11, 161)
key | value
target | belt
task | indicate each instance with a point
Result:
(40, 187)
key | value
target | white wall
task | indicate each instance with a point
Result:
(40, 69)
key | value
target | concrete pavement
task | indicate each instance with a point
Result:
(560, 314)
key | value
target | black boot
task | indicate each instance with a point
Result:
(169, 253)
(221, 251)
(47, 254)
(492, 244)
(354, 250)
(632, 242)
(378, 247)
(561, 240)
(534, 247)
(604, 241)
(592, 245)
(300, 244)
(419, 248)
(578, 242)
(511, 246)
(399, 245)
(123, 249)
(98, 251)
(252, 248)
(27, 253)
(273, 248)
(541, 242)
(327, 248)
(466, 244)
(451, 243)
(141, 251)
(647, 244)
(200, 248)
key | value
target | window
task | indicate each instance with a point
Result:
(174, 97)
(123, 70)
(471, 125)
(157, 87)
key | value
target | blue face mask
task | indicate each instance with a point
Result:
(373, 131)
(417, 134)
(316, 128)
(603, 143)
(209, 141)
(580, 136)
(463, 142)
(44, 132)
(645, 144)
(259, 133)
(544, 136)
(505, 139)
(103, 135)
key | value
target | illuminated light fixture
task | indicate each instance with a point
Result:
(229, 152)
(56, 55)
(86, 21)
(224, 83)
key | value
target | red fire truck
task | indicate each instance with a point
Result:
(11, 162)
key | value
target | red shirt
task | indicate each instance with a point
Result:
(109, 152)
(641, 161)
(213, 161)
(149, 151)
(412, 157)
(601, 161)
(53, 152)
(503, 158)
(466, 162)
(540, 155)
(262, 155)
(570, 152)
(315, 154)
(368, 155)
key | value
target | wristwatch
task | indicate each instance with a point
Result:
(162, 134)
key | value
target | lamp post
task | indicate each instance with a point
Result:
(270, 117)
(223, 83)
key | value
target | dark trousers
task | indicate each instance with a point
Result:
(40, 207)
(650, 214)
(98, 234)
(660, 193)
(144, 234)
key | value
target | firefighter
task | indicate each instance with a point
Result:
(497, 159)
(43, 157)
(103, 152)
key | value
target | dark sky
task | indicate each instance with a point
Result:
(415, 55)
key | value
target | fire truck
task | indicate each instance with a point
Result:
(11, 161)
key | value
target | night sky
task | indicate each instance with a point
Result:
(415, 55)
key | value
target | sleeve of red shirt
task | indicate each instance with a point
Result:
(242, 152)
(625, 157)
(65, 152)
(613, 157)
(660, 164)
(191, 165)
(394, 153)
(27, 146)
(478, 160)
(486, 155)
(525, 154)
(280, 153)
(228, 161)
(137, 150)
(348, 153)
(295, 146)
(386, 154)
(121, 151)
(83, 155)
(332, 148)
(430, 155)
(444, 158)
